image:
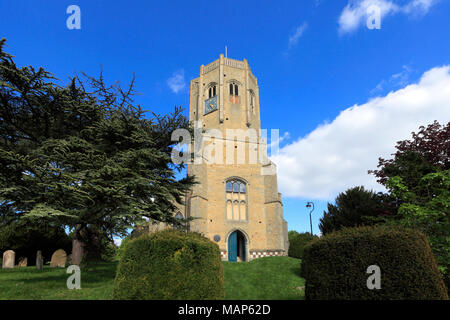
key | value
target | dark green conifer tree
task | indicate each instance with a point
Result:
(83, 155)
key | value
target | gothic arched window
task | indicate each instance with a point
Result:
(236, 200)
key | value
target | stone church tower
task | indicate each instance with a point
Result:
(236, 202)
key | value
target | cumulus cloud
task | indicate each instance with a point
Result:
(293, 38)
(177, 82)
(337, 155)
(356, 11)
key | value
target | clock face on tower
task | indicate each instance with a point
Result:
(211, 105)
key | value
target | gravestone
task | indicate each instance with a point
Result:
(39, 260)
(59, 259)
(9, 258)
(23, 262)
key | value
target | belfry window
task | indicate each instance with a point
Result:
(236, 200)
(234, 93)
(234, 89)
(212, 91)
(211, 101)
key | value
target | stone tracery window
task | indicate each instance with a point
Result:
(236, 200)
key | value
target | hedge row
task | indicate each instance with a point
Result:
(297, 244)
(335, 267)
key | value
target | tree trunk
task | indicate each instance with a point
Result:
(77, 246)
(93, 247)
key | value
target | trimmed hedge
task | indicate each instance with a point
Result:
(447, 281)
(335, 267)
(170, 264)
(297, 244)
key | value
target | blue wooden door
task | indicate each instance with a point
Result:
(232, 247)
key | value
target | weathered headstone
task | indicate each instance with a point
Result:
(9, 258)
(23, 262)
(59, 259)
(39, 260)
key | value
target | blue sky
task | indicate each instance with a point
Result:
(342, 93)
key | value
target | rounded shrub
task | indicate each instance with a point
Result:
(447, 281)
(336, 265)
(297, 244)
(170, 264)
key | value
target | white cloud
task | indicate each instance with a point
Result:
(337, 155)
(177, 82)
(396, 81)
(419, 6)
(276, 142)
(355, 13)
(293, 39)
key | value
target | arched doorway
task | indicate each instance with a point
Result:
(236, 246)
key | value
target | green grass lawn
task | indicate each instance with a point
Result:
(264, 278)
(28, 283)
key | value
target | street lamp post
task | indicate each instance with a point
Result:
(309, 205)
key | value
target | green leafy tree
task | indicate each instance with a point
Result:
(428, 212)
(356, 207)
(292, 234)
(418, 177)
(428, 151)
(83, 156)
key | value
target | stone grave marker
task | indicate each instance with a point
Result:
(59, 259)
(23, 262)
(9, 258)
(39, 260)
